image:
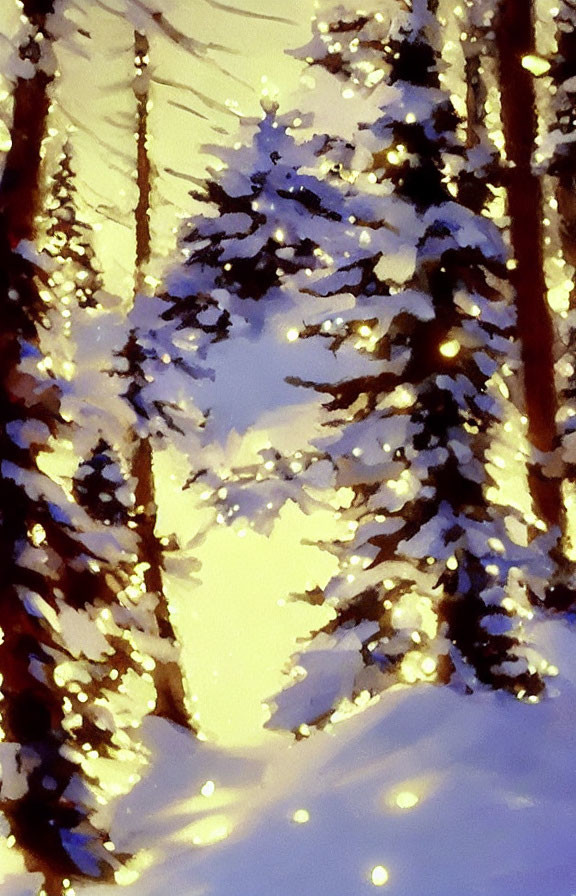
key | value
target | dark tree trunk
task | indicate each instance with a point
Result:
(44, 817)
(21, 176)
(170, 696)
(170, 700)
(515, 39)
(143, 166)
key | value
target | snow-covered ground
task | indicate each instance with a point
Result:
(426, 793)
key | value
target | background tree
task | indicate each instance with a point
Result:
(271, 231)
(76, 628)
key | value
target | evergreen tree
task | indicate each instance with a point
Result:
(98, 483)
(43, 562)
(68, 239)
(430, 544)
(69, 282)
(348, 44)
(76, 632)
(481, 177)
(124, 687)
(271, 230)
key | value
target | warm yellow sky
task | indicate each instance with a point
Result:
(237, 628)
(94, 96)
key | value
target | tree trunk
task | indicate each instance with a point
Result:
(170, 700)
(170, 694)
(514, 40)
(21, 176)
(143, 166)
(43, 818)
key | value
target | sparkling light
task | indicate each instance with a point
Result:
(301, 816)
(37, 535)
(406, 799)
(535, 64)
(126, 876)
(428, 665)
(379, 876)
(208, 788)
(450, 348)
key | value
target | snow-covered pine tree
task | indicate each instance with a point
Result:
(125, 689)
(347, 43)
(238, 254)
(68, 279)
(343, 79)
(70, 287)
(68, 239)
(429, 545)
(44, 564)
(480, 179)
(271, 229)
(99, 486)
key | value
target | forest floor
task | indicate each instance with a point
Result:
(427, 792)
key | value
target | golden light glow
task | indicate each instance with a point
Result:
(406, 799)
(208, 788)
(5, 139)
(37, 535)
(450, 348)
(428, 665)
(292, 334)
(396, 155)
(206, 831)
(536, 65)
(379, 876)
(232, 684)
(402, 397)
(126, 876)
(301, 816)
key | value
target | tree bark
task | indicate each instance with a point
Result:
(170, 692)
(514, 40)
(143, 166)
(33, 715)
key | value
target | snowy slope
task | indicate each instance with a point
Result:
(452, 795)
